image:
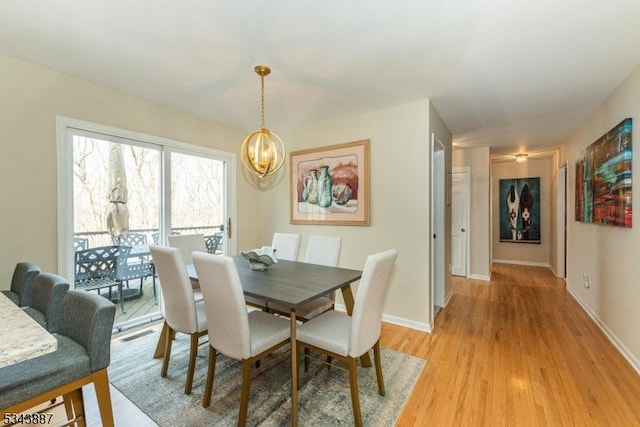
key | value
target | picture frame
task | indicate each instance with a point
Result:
(330, 185)
(520, 210)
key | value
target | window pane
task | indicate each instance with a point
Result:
(197, 196)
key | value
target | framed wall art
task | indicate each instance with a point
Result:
(520, 210)
(330, 185)
(603, 179)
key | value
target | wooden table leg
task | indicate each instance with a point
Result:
(161, 341)
(294, 370)
(347, 296)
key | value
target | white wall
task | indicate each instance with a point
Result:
(521, 253)
(400, 182)
(30, 99)
(608, 255)
(477, 159)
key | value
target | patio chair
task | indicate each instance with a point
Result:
(82, 357)
(80, 243)
(130, 239)
(101, 268)
(214, 243)
(22, 283)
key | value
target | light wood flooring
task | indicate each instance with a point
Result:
(516, 351)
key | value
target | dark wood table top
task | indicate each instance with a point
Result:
(291, 283)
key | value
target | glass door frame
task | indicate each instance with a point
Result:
(67, 127)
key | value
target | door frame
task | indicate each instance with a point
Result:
(561, 221)
(66, 127)
(466, 171)
(437, 225)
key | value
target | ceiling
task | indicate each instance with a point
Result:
(514, 75)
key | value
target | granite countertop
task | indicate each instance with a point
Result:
(21, 337)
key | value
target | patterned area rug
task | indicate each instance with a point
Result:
(324, 396)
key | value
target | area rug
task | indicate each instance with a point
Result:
(324, 396)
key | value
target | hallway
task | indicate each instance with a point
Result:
(515, 351)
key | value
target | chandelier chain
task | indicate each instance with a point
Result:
(261, 102)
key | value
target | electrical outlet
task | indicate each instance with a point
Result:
(586, 280)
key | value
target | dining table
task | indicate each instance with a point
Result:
(292, 284)
(21, 337)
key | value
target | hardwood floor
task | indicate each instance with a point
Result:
(516, 351)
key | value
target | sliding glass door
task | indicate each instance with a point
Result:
(121, 192)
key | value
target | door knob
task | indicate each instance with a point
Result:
(463, 230)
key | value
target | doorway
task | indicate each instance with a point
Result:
(437, 238)
(460, 183)
(561, 221)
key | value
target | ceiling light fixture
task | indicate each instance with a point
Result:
(262, 152)
(521, 158)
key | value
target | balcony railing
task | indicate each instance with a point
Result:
(103, 238)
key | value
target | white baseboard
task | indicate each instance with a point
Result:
(426, 327)
(635, 363)
(529, 263)
(400, 321)
(448, 298)
(480, 277)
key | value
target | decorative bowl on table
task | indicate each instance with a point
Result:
(260, 259)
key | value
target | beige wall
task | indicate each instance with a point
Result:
(400, 182)
(30, 99)
(521, 253)
(477, 159)
(608, 255)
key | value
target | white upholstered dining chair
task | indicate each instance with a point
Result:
(286, 245)
(232, 331)
(321, 250)
(349, 337)
(188, 243)
(182, 313)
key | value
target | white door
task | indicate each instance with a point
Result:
(459, 222)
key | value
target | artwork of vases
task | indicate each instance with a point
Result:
(324, 187)
(310, 192)
(321, 190)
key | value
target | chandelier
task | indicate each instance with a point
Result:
(262, 152)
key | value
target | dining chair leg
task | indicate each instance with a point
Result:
(244, 397)
(355, 399)
(193, 354)
(103, 396)
(307, 353)
(206, 400)
(167, 351)
(68, 406)
(376, 356)
(75, 397)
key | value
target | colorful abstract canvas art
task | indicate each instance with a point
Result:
(603, 179)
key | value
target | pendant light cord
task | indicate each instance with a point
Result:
(261, 102)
